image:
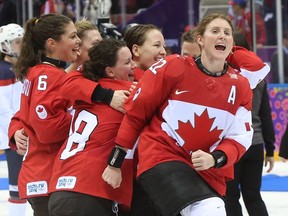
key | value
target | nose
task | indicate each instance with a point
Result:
(222, 35)
(78, 40)
(133, 64)
(163, 51)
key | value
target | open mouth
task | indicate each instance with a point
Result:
(76, 49)
(220, 47)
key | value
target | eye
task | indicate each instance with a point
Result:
(74, 36)
(228, 33)
(128, 61)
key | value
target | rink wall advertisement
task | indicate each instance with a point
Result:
(278, 94)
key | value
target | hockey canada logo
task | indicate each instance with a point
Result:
(41, 112)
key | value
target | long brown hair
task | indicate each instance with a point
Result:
(37, 31)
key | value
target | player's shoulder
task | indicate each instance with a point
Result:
(177, 60)
(49, 71)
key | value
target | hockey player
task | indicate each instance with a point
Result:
(195, 122)
(82, 158)
(147, 45)
(43, 112)
(10, 90)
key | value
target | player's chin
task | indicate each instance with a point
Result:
(72, 57)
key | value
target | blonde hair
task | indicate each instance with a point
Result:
(84, 25)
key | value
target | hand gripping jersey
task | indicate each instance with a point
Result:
(44, 117)
(83, 157)
(10, 91)
(179, 109)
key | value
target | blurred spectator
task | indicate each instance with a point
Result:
(49, 6)
(242, 20)
(7, 12)
(274, 60)
(269, 9)
(95, 9)
(69, 9)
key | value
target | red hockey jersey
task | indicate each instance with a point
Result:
(44, 117)
(138, 73)
(179, 109)
(83, 157)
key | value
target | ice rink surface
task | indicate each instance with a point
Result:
(276, 202)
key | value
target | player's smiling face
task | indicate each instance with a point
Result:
(67, 47)
(124, 68)
(217, 40)
(152, 50)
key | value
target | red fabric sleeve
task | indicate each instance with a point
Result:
(76, 87)
(249, 65)
(243, 58)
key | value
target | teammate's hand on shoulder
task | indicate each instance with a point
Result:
(118, 100)
(113, 176)
(202, 160)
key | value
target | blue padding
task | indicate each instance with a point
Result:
(2, 156)
(4, 184)
(273, 182)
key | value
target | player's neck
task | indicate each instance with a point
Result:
(54, 62)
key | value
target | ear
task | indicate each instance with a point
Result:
(200, 40)
(135, 50)
(109, 72)
(51, 42)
